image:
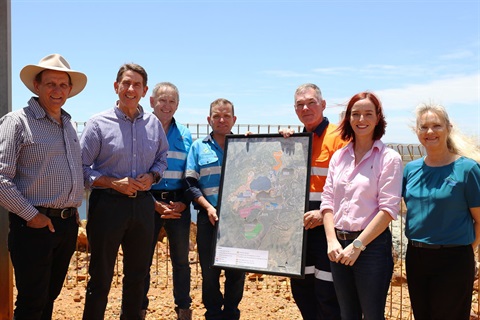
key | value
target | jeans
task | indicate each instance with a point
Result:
(178, 233)
(234, 280)
(363, 287)
(40, 260)
(440, 282)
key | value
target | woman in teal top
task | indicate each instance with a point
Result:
(442, 194)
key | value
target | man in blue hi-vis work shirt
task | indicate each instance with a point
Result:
(204, 166)
(172, 210)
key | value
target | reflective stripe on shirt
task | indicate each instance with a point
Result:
(318, 171)
(315, 196)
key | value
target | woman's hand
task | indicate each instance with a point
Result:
(334, 249)
(349, 255)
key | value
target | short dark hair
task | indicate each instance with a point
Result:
(220, 102)
(346, 130)
(133, 67)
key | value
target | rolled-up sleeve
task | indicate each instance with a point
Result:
(192, 174)
(390, 183)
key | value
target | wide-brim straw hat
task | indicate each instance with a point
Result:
(53, 62)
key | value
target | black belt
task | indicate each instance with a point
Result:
(169, 195)
(424, 245)
(58, 213)
(114, 192)
(347, 235)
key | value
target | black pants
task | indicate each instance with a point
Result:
(440, 282)
(315, 295)
(116, 220)
(40, 260)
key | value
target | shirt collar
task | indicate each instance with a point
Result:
(321, 127)
(209, 138)
(123, 116)
(377, 145)
(174, 122)
(40, 113)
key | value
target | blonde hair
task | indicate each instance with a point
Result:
(457, 142)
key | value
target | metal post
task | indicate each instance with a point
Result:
(6, 271)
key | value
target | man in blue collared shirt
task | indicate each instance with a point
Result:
(204, 166)
(172, 208)
(41, 185)
(124, 152)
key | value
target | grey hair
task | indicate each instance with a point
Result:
(164, 86)
(306, 86)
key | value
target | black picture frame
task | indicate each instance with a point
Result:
(263, 195)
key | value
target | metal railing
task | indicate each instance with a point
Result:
(199, 130)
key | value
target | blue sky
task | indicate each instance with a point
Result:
(256, 53)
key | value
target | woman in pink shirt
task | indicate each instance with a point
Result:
(361, 197)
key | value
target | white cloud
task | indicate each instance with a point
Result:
(462, 54)
(463, 90)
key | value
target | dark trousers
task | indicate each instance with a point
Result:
(178, 233)
(440, 282)
(362, 288)
(315, 294)
(212, 297)
(40, 260)
(116, 220)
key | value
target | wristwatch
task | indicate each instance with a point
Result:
(156, 176)
(357, 244)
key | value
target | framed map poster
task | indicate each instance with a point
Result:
(263, 196)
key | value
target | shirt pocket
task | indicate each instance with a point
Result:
(207, 159)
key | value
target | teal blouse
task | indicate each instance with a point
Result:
(438, 201)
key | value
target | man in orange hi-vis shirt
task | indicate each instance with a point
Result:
(315, 295)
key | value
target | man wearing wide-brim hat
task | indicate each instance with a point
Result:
(41, 185)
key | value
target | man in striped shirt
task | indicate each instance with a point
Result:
(124, 152)
(41, 185)
(171, 206)
(204, 166)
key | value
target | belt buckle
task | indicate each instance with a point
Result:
(133, 195)
(164, 195)
(66, 213)
(342, 235)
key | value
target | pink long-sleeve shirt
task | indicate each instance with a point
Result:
(356, 193)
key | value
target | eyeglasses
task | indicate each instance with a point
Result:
(435, 128)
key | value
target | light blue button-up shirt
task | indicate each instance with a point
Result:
(179, 141)
(204, 168)
(114, 145)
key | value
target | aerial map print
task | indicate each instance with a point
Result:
(263, 197)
